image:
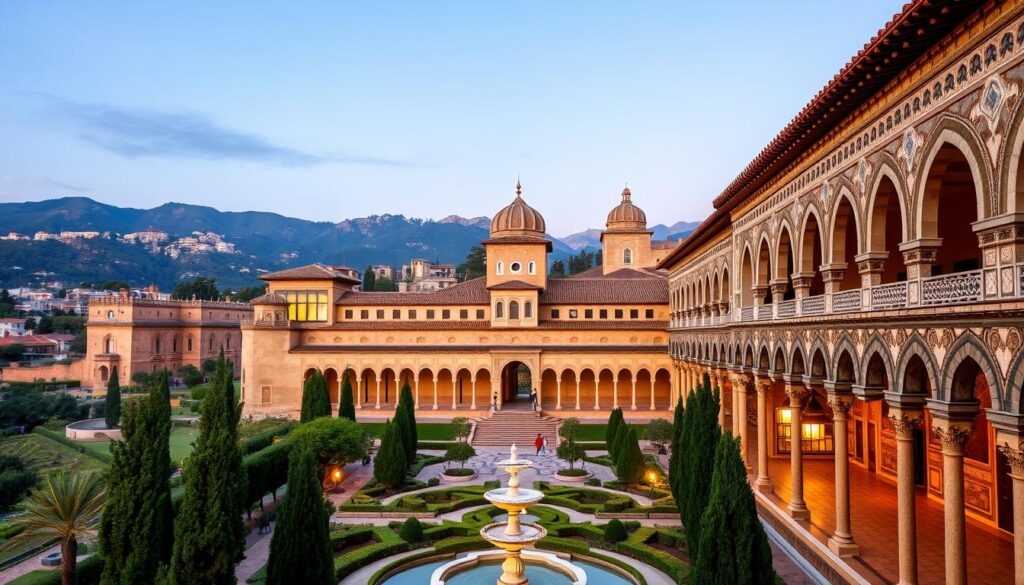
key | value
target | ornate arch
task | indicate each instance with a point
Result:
(837, 201)
(846, 344)
(1010, 161)
(797, 351)
(818, 346)
(969, 346)
(915, 346)
(1012, 400)
(811, 211)
(780, 260)
(887, 168)
(875, 345)
(763, 243)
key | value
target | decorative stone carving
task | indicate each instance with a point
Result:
(1015, 457)
(953, 438)
(904, 425)
(840, 408)
(797, 395)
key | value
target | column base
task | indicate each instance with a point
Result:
(799, 512)
(842, 548)
(763, 485)
(633, 407)
(578, 407)
(435, 407)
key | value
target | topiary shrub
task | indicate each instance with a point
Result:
(413, 503)
(616, 505)
(615, 531)
(411, 531)
(432, 482)
(594, 482)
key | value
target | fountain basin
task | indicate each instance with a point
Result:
(93, 429)
(506, 496)
(444, 573)
(529, 534)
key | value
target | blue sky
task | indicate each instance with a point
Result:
(335, 110)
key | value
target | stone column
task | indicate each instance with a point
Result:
(801, 286)
(954, 436)
(558, 392)
(903, 424)
(738, 381)
(833, 275)
(871, 265)
(615, 391)
(1015, 458)
(632, 405)
(455, 393)
(797, 506)
(741, 403)
(377, 405)
(359, 392)
(841, 542)
(763, 483)
(653, 378)
(416, 389)
(597, 390)
(919, 257)
(778, 287)
(472, 382)
(433, 377)
(577, 392)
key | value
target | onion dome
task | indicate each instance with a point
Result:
(626, 216)
(518, 219)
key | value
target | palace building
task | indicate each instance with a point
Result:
(586, 343)
(857, 295)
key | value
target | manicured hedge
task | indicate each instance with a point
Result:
(389, 544)
(59, 437)
(266, 470)
(88, 574)
(265, 439)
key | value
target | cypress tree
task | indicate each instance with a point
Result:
(733, 545)
(405, 417)
(614, 420)
(622, 429)
(209, 537)
(112, 402)
(677, 445)
(346, 406)
(316, 401)
(300, 550)
(390, 464)
(630, 466)
(137, 528)
(694, 479)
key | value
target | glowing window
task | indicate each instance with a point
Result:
(306, 305)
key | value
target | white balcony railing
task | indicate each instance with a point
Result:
(889, 296)
(765, 313)
(747, 314)
(786, 309)
(954, 288)
(813, 305)
(846, 301)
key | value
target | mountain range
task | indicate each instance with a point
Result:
(262, 242)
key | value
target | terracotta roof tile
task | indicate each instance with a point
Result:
(269, 299)
(310, 272)
(471, 292)
(648, 290)
(515, 285)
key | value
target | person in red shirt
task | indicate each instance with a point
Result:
(539, 443)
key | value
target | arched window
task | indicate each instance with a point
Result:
(110, 314)
(500, 268)
(528, 310)
(156, 344)
(499, 310)
(211, 342)
(104, 373)
(174, 345)
(227, 341)
(532, 267)
(513, 310)
(109, 346)
(627, 256)
(189, 343)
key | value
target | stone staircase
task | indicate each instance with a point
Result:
(502, 428)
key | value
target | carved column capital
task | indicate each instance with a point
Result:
(797, 394)
(904, 425)
(739, 382)
(954, 438)
(1015, 457)
(779, 289)
(833, 275)
(840, 407)
(762, 386)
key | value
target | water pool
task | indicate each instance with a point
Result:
(488, 572)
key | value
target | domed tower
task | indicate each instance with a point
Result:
(517, 263)
(626, 241)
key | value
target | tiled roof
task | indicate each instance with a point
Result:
(471, 292)
(269, 299)
(515, 285)
(663, 244)
(642, 289)
(310, 272)
(26, 340)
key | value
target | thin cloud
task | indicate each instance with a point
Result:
(138, 133)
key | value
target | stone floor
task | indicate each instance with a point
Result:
(873, 518)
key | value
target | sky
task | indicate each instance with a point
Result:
(335, 110)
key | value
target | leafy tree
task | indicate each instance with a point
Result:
(30, 323)
(557, 268)
(570, 451)
(114, 285)
(66, 508)
(390, 464)
(659, 433)
(335, 441)
(209, 538)
(300, 550)
(629, 467)
(346, 406)
(369, 279)
(733, 547)
(6, 304)
(677, 447)
(137, 530)
(696, 465)
(202, 288)
(461, 427)
(45, 325)
(112, 401)
(12, 352)
(599, 258)
(141, 378)
(461, 452)
(411, 530)
(614, 420)
(385, 284)
(405, 417)
(15, 479)
(615, 531)
(569, 428)
(208, 366)
(248, 293)
(190, 375)
(316, 401)
(475, 264)
(621, 430)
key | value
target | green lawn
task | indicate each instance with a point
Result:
(181, 443)
(43, 454)
(424, 431)
(595, 432)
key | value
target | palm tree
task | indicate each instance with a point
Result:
(65, 507)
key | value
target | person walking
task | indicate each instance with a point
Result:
(494, 402)
(539, 443)
(533, 399)
(544, 447)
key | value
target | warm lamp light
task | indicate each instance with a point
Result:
(812, 431)
(785, 415)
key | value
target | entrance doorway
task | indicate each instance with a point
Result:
(516, 384)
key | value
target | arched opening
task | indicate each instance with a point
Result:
(513, 309)
(886, 231)
(644, 390)
(482, 391)
(463, 387)
(844, 244)
(779, 364)
(516, 384)
(568, 389)
(104, 374)
(499, 310)
(425, 390)
(818, 368)
(784, 264)
(605, 389)
(875, 374)
(548, 388)
(746, 280)
(368, 380)
(445, 388)
(109, 345)
(726, 295)
(763, 360)
(588, 388)
(797, 367)
(915, 381)
(764, 270)
(811, 255)
(845, 368)
(949, 207)
(627, 257)
(662, 389)
(333, 388)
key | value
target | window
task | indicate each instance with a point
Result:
(265, 394)
(555, 313)
(618, 313)
(430, 313)
(211, 343)
(412, 313)
(110, 314)
(396, 313)
(446, 314)
(515, 267)
(573, 313)
(627, 256)
(603, 313)
(588, 313)
(188, 343)
(649, 314)
(531, 267)
(634, 313)
(479, 313)
(513, 310)
(227, 341)
(499, 310)
(463, 313)
(364, 314)
(174, 345)
(528, 310)
(306, 305)
(348, 313)
(380, 313)
(500, 268)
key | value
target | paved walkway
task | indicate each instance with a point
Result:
(26, 566)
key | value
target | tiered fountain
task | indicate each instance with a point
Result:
(512, 535)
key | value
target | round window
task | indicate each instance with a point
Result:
(515, 267)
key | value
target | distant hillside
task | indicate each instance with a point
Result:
(592, 238)
(253, 242)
